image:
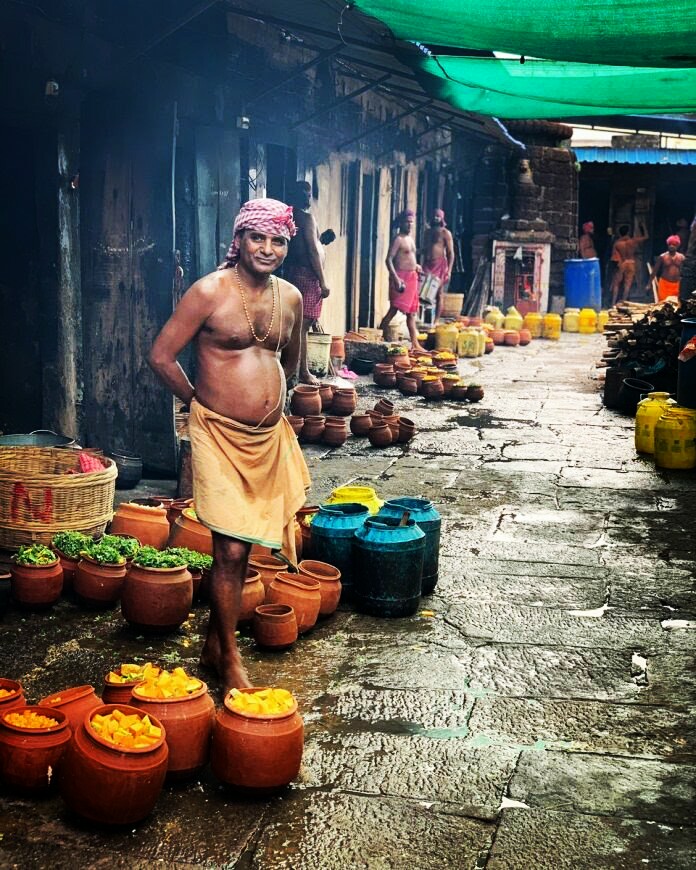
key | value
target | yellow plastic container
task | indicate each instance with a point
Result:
(534, 323)
(467, 343)
(495, 317)
(602, 320)
(571, 320)
(648, 413)
(359, 494)
(588, 321)
(513, 319)
(446, 336)
(675, 438)
(552, 327)
(481, 339)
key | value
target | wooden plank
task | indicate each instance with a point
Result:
(207, 186)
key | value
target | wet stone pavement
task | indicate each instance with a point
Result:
(541, 718)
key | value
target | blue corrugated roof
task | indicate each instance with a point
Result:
(660, 156)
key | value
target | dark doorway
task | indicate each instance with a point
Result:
(281, 172)
(20, 286)
(368, 242)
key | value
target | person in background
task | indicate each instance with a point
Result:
(668, 269)
(624, 255)
(404, 274)
(438, 255)
(304, 267)
(249, 475)
(586, 245)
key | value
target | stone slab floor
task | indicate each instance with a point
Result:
(541, 718)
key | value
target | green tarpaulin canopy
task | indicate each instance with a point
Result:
(552, 89)
(621, 32)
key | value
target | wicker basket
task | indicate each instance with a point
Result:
(39, 497)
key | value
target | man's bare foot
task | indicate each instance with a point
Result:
(235, 677)
(308, 378)
(418, 348)
(210, 654)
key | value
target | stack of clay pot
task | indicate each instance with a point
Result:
(311, 425)
(382, 426)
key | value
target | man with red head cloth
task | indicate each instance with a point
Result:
(586, 242)
(438, 255)
(668, 269)
(404, 273)
(249, 476)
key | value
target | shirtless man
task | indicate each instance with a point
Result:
(586, 242)
(668, 269)
(624, 255)
(438, 255)
(404, 274)
(304, 267)
(245, 325)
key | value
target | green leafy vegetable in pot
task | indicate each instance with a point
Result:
(194, 559)
(127, 547)
(35, 554)
(149, 557)
(104, 553)
(71, 544)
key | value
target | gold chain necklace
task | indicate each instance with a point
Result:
(246, 310)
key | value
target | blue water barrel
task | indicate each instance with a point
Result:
(583, 284)
(428, 520)
(333, 528)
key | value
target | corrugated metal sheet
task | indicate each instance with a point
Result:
(654, 156)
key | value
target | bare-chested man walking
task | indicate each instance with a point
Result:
(668, 269)
(438, 255)
(249, 476)
(624, 255)
(404, 274)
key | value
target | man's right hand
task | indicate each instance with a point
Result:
(325, 292)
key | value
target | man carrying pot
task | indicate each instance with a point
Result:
(249, 476)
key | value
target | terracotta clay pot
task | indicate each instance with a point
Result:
(459, 392)
(383, 368)
(512, 338)
(417, 376)
(157, 599)
(408, 386)
(384, 407)
(300, 592)
(108, 784)
(267, 567)
(296, 422)
(474, 394)
(335, 433)
(304, 518)
(326, 394)
(117, 693)
(30, 758)
(448, 382)
(338, 348)
(305, 400)
(313, 429)
(344, 402)
(407, 430)
(176, 507)
(360, 424)
(275, 626)
(36, 586)
(256, 753)
(402, 363)
(433, 389)
(385, 379)
(99, 585)
(75, 702)
(393, 422)
(189, 532)
(498, 336)
(375, 417)
(196, 580)
(525, 337)
(69, 567)
(148, 524)
(329, 579)
(490, 346)
(188, 723)
(253, 594)
(14, 699)
(380, 435)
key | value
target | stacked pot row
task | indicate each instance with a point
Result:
(382, 426)
(310, 401)
(316, 429)
(433, 382)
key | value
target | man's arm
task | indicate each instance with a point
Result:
(393, 250)
(449, 252)
(290, 354)
(308, 229)
(189, 316)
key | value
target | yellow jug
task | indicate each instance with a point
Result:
(602, 320)
(364, 495)
(675, 438)
(446, 336)
(468, 344)
(481, 340)
(588, 321)
(571, 320)
(495, 317)
(648, 413)
(552, 327)
(513, 319)
(534, 323)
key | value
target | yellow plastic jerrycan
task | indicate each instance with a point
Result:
(552, 327)
(648, 413)
(675, 438)
(467, 344)
(571, 320)
(513, 319)
(534, 323)
(495, 317)
(446, 336)
(364, 495)
(602, 320)
(481, 339)
(588, 321)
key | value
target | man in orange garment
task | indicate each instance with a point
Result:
(624, 255)
(668, 269)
